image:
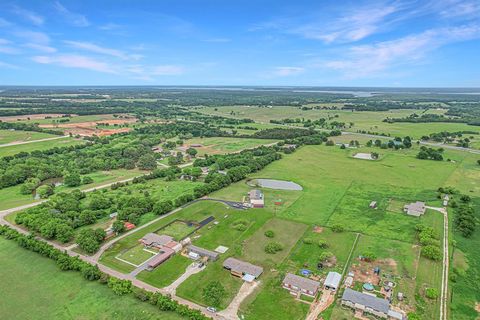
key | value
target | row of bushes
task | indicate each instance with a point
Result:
(92, 273)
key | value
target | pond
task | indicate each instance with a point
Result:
(275, 184)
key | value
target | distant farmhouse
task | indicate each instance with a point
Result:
(256, 198)
(247, 271)
(367, 303)
(300, 285)
(415, 209)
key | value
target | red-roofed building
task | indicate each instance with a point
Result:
(128, 226)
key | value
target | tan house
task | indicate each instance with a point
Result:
(300, 285)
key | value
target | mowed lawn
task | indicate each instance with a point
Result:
(7, 136)
(41, 145)
(34, 288)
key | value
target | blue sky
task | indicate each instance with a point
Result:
(177, 42)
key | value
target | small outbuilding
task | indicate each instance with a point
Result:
(373, 205)
(210, 255)
(332, 282)
(256, 198)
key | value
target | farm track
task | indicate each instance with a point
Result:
(31, 141)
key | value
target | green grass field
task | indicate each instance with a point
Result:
(136, 255)
(42, 145)
(217, 145)
(11, 197)
(166, 273)
(337, 191)
(34, 288)
(178, 230)
(362, 120)
(7, 136)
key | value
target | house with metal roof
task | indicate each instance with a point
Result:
(242, 269)
(300, 285)
(366, 303)
(415, 209)
(211, 255)
(332, 282)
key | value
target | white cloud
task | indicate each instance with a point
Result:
(8, 65)
(355, 26)
(40, 47)
(91, 47)
(287, 71)
(5, 47)
(372, 60)
(75, 61)
(75, 19)
(31, 16)
(34, 37)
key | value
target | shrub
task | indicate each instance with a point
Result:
(432, 252)
(119, 286)
(338, 228)
(322, 244)
(240, 225)
(273, 247)
(369, 256)
(431, 293)
(308, 240)
(213, 293)
(269, 234)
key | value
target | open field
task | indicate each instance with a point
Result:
(362, 120)
(11, 197)
(225, 145)
(8, 136)
(34, 288)
(41, 145)
(337, 190)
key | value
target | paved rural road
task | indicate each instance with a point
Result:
(446, 261)
(32, 141)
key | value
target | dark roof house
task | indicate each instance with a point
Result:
(304, 285)
(366, 302)
(239, 267)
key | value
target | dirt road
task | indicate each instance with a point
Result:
(31, 141)
(446, 261)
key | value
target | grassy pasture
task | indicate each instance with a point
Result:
(136, 255)
(7, 136)
(363, 120)
(286, 233)
(178, 230)
(34, 288)
(219, 145)
(42, 145)
(11, 197)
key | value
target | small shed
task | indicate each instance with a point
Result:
(373, 205)
(332, 282)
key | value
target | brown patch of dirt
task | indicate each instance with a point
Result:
(477, 307)
(90, 128)
(363, 270)
(317, 229)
